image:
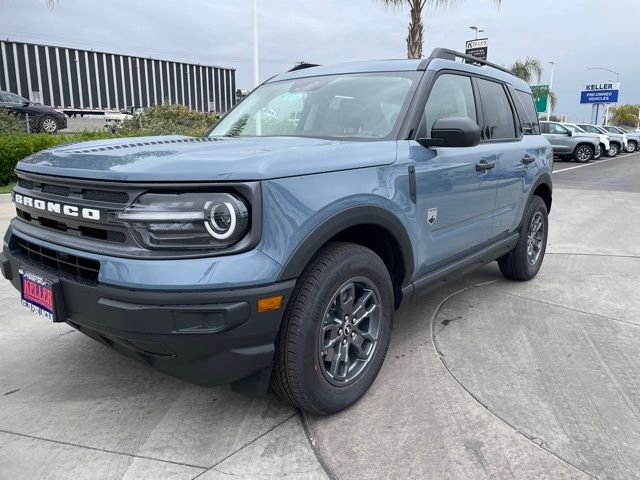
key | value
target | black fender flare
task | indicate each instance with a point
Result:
(350, 217)
(543, 179)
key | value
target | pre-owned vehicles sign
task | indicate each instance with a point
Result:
(600, 93)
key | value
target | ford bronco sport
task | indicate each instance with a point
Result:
(276, 249)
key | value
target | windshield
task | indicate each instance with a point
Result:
(593, 129)
(355, 106)
(574, 128)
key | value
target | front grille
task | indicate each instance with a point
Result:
(63, 264)
(108, 196)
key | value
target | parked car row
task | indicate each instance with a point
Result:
(584, 142)
(41, 118)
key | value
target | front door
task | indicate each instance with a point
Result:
(455, 197)
(559, 137)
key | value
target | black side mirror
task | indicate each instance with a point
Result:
(453, 132)
(26, 103)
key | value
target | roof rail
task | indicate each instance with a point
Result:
(302, 65)
(447, 54)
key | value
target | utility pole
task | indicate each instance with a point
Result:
(553, 67)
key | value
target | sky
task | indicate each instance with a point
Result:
(576, 34)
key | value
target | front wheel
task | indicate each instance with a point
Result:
(613, 150)
(336, 330)
(48, 124)
(632, 146)
(525, 260)
(583, 154)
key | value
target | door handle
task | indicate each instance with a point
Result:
(527, 159)
(484, 165)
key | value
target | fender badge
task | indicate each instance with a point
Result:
(432, 215)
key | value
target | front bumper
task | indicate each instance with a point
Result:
(207, 337)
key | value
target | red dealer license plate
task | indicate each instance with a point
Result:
(38, 295)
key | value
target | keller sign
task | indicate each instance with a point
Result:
(477, 48)
(600, 93)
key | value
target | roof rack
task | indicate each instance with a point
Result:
(447, 54)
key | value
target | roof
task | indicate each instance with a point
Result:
(352, 67)
(432, 64)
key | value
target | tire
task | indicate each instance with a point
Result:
(583, 153)
(518, 264)
(48, 124)
(614, 150)
(632, 146)
(303, 374)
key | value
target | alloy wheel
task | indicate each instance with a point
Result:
(349, 332)
(583, 154)
(49, 125)
(535, 238)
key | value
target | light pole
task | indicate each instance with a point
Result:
(256, 73)
(553, 67)
(606, 115)
(477, 30)
(254, 15)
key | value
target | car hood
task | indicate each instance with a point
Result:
(180, 158)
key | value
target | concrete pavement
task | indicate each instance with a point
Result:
(484, 378)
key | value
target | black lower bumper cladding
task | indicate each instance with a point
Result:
(205, 337)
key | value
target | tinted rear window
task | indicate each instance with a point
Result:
(498, 117)
(527, 113)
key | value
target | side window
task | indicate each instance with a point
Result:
(451, 96)
(527, 113)
(544, 127)
(498, 116)
(556, 129)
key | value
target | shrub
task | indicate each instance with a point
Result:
(169, 119)
(15, 147)
(10, 123)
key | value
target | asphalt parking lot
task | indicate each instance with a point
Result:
(485, 378)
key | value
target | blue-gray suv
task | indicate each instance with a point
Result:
(276, 249)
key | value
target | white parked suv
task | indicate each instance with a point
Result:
(617, 141)
(633, 138)
(602, 138)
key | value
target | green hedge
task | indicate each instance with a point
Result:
(15, 147)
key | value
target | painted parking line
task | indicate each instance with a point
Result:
(596, 162)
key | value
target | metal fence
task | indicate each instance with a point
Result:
(88, 81)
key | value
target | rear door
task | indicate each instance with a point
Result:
(455, 199)
(503, 134)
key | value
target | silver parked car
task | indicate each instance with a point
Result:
(618, 141)
(633, 138)
(602, 138)
(566, 144)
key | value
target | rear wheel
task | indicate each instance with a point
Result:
(583, 153)
(632, 146)
(525, 260)
(613, 150)
(336, 330)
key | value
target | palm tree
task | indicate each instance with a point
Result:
(416, 28)
(626, 115)
(531, 67)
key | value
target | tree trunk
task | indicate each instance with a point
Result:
(414, 40)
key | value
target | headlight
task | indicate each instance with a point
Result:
(187, 220)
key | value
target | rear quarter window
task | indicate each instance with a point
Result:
(527, 113)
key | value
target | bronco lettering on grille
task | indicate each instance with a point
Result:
(58, 208)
